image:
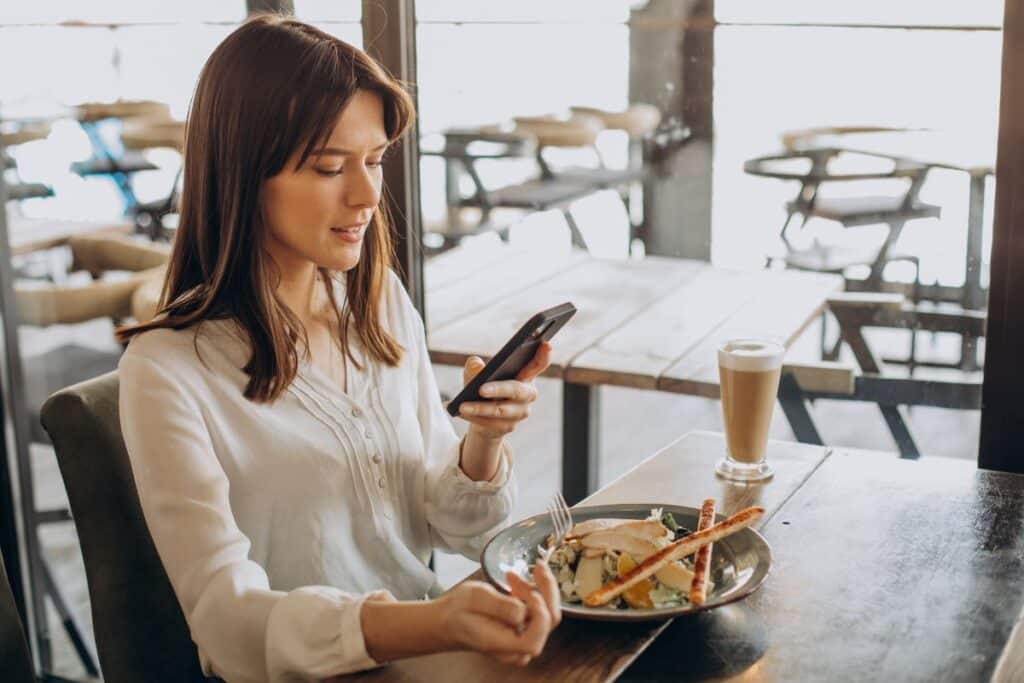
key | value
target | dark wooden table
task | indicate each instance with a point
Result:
(883, 570)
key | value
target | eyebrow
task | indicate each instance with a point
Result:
(338, 151)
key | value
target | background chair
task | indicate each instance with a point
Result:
(18, 190)
(141, 634)
(814, 167)
(15, 662)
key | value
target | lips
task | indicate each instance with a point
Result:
(352, 233)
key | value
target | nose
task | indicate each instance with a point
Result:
(362, 189)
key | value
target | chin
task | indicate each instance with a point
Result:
(340, 262)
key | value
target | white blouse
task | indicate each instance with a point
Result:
(276, 521)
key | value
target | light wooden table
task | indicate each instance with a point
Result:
(653, 323)
(882, 569)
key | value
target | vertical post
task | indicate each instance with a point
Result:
(1002, 397)
(581, 444)
(270, 6)
(389, 36)
(8, 515)
(16, 426)
(672, 67)
(973, 295)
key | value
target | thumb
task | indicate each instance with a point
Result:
(474, 364)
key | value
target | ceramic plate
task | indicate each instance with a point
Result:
(739, 563)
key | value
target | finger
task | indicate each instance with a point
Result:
(538, 624)
(518, 586)
(496, 410)
(494, 637)
(548, 587)
(516, 660)
(540, 362)
(545, 612)
(474, 364)
(511, 390)
(504, 608)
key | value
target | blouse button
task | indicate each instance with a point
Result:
(356, 412)
(368, 434)
(380, 482)
(377, 458)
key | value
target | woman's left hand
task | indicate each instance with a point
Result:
(509, 401)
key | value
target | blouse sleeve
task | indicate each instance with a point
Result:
(243, 630)
(463, 514)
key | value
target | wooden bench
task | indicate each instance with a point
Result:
(856, 311)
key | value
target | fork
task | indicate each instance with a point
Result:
(561, 524)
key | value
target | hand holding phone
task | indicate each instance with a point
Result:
(516, 353)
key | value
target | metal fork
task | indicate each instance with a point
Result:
(561, 524)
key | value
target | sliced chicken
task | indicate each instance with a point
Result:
(588, 574)
(650, 529)
(640, 548)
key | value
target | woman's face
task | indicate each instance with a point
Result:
(319, 213)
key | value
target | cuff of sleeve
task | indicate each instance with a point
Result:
(353, 643)
(496, 483)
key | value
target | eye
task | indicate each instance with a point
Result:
(375, 164)
(329, 172)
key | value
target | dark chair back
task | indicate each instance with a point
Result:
(15, 662)
(141, 634)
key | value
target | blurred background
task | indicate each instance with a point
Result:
(851, 139)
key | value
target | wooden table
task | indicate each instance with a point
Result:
(883, 569)
(653, 323)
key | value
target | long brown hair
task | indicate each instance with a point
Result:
(273, 87)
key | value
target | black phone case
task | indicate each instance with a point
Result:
(516, 353)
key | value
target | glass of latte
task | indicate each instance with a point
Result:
(749, 371)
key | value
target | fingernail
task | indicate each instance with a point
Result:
(486, 391)
(468, 410)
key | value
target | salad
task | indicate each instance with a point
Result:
(598, 551)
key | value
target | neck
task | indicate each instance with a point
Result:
(299, 289)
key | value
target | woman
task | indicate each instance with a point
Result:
(292, 457)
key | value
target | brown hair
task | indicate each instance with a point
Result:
(273, 87)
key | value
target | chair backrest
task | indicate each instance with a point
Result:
(15, 662)
(141, 634)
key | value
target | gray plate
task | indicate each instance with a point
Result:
(739, 563)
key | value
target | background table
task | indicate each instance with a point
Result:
(652, 323)
(883, 569)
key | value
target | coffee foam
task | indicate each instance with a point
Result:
(751, 355)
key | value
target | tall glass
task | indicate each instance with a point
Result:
(749, 371)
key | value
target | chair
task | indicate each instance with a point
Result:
(143, 134)
(18, 190)
(464, 149)
(814, 167)
(141, 634)
(115, 163)
(15, 662)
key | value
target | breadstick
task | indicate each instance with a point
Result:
(702, 563)
(671, 552)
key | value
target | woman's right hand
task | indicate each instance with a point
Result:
(512, 628)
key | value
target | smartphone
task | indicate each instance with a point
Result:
(516, 353)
